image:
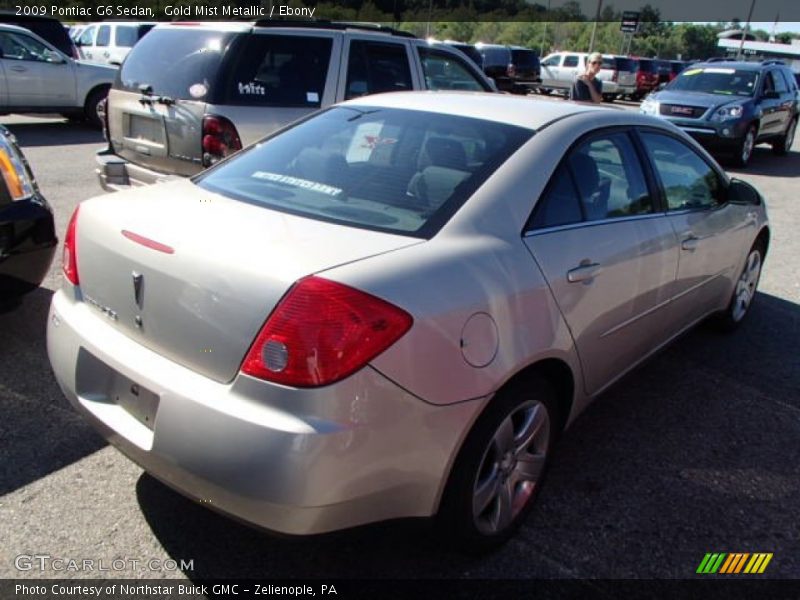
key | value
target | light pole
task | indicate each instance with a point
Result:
(544, 33)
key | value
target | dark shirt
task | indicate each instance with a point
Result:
(580, 90)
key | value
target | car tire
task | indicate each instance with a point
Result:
(784, 143)
(90, 107)
(545, 91)
(744, 292)
(744, 149)
(500, 468)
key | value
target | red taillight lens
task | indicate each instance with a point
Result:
(69, 258)
(321, 332)
(220, 139)
(615, 76)
(511, 71)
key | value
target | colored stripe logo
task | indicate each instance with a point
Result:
(734, 563)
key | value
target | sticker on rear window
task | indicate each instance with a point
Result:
(314, 186)
(251, 89)
(312, 97)
(198, 90)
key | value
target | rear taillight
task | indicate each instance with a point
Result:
(69, 259)
(102, 111)
(511, 71)
(615, 76)
(321, 332)
(220, 139)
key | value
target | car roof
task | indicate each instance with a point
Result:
(521, 111)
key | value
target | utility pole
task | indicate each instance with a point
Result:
(596, 19)
(744, 31)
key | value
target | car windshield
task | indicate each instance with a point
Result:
(716, 80)
(392, 170)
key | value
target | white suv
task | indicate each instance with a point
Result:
(559, 71)
(109, 42)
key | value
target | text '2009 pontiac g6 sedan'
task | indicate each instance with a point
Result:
(393, 307)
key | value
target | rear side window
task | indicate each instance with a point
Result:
(392, 170)
(571, 61)
(496, 57)
(279, 70)
(560, 204)
(125, 36)
(179, 62)
(443, 71)
(375, 67)
(103, 35)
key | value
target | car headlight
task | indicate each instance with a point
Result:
(649, 107)
(727, 113)
(13, 171)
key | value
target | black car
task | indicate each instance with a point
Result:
(513, 68)
(50, 30)
(731, 106)
(27, 232)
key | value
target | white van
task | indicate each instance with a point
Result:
(110, 41)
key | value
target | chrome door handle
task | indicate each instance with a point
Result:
(585, 272)
(690, 244)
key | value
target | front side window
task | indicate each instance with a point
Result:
(382, 169)
(87, 37)
(443, 71)
(22, 47)
(375, 67)
(779, 82)
(552, 61)
(571, 61)
(280, 70)
(689, 182)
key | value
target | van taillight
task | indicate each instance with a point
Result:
(220, 139)
(615, 76)
(511, 71)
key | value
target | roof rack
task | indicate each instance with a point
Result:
(326, 24)
(772, 61)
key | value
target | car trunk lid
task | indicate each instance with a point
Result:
(193, 275)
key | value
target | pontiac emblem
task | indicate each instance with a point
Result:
(138, 288)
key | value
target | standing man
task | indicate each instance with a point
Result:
(587, 87)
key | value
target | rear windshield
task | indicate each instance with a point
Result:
(176, 62)
(716, 80)
(625, 64)
(493, 57)
(648, 66)
(392, 170)
(525, 58)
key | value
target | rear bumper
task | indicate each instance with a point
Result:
(116, 174)
(27, 245)
(288, 460)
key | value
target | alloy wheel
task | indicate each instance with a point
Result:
(746, 286)
(511, 467)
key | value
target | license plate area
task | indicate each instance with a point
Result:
(146, 130)
(98, 383)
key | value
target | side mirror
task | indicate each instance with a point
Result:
(741, 192)
(52, 56)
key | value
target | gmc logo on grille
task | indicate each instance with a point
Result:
(682, 110)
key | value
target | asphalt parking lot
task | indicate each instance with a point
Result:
(696, 451)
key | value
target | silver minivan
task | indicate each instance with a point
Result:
(189, 95)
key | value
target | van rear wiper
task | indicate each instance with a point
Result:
(147, 96)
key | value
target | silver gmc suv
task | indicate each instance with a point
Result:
(190, 94)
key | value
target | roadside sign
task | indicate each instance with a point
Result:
(630, 21)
